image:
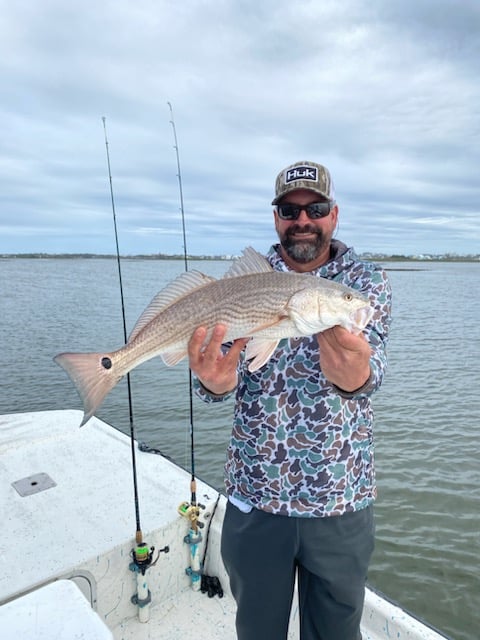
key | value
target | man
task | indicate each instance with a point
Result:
(299, 472)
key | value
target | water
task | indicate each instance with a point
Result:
(427, 412)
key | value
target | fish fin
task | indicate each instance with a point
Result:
(250, 262)
(91, 378)
(183, 284)
(259, 351)
(171, 358)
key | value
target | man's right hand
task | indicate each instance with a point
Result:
(215, 370)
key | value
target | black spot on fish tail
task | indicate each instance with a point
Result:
(106, 363)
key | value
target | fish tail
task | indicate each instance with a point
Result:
(94, 376)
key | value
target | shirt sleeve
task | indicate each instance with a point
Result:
(207, 396)
(377, 287)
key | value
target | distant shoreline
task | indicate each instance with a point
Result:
(161, 256)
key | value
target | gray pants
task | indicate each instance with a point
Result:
(262, 553)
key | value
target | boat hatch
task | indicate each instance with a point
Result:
(33, 484)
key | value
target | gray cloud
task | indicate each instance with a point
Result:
(385, 94)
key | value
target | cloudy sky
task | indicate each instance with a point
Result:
(386, 94)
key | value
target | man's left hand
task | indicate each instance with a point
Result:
(344, 358)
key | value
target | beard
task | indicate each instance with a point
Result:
(304, 251)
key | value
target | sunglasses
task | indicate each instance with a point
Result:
(314, 210)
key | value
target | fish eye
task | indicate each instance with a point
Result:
(348, 297)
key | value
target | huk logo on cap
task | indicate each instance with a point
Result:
(301, 173)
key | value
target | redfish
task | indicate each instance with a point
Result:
(251, 300)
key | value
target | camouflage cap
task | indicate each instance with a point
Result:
(304, 175)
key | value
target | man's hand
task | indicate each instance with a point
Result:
(216, 371)
(344, 358)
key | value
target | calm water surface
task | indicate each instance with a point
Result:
(427, 412)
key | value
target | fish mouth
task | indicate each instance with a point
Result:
(361, 317)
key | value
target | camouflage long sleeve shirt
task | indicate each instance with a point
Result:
(299, 445)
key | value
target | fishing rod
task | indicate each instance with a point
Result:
(142, 556)
(138, 535)
(185, 259)
(190, 510)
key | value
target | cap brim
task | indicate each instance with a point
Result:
(279, 198)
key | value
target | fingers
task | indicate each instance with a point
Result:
(338, 337)
(212, 349)
(217, 371)
(236, 349)
(195, 346)
(327, 341)
(209, 352)
(198, 350)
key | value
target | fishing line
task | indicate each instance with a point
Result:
(185, 258)
(129, 387)
(200, 581)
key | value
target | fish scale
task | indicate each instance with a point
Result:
(220, 303)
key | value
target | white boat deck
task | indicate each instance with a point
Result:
(82, 529)
(58, 610)
(184, 615)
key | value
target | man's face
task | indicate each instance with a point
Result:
(305, 241)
